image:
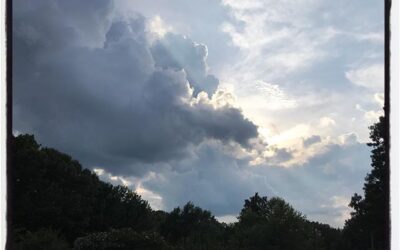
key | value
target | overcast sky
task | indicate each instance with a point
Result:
(206, 101)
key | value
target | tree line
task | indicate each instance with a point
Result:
(54, 203)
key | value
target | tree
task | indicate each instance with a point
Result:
(271, 224)
(49, 189)
(192, 228)
(369, 225)
(325, 237)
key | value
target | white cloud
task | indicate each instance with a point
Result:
(265, 95)
(114, 179)
(372, 116)
(374, 37)
(371, 76)
(227, 218)
(135, 184)
(379, 98)
(157, 26)
(290, 45)
(326, 122)
(275, 36)
(243, 4)
(155, 200)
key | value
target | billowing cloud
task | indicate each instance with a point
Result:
(121, 101)
(175, 51)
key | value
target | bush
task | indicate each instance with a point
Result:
(123, 239)
(42, 239)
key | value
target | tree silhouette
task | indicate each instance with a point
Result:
(369, 225)
(192, 228)
(272, 224)
(51, 190)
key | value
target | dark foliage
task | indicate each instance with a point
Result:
(192, 228)
(123, 239)
(50, 190)
(274, 224)
(42, 239)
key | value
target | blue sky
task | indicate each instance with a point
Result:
(206, 101)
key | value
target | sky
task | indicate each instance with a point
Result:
(206, 101)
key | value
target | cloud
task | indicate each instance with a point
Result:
(311, 140)
(113, 179)
(349, 138)
(212, 179)
(243, 5)
(370, 76)
(122, 106)
(326, 122)
(303, 49)
(271, 95)
(371, 116)
(280, 32)
(134, 183)
(337, 206)
(75, 26)
(375, 37)
(379, 98)
(158, 26)
(227, 218)
(178, 52)
(216, 180)
(199, 20)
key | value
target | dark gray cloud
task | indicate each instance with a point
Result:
(51, 25)
(311, 140)
(100, 91)
(283, 155)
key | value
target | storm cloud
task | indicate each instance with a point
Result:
(104, 93)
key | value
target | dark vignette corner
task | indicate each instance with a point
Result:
(9, 107)
(387, 10)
